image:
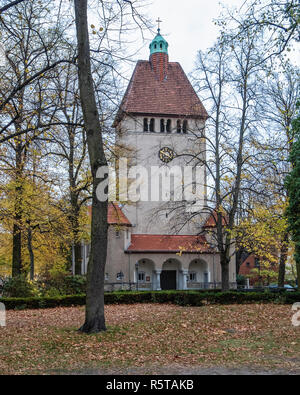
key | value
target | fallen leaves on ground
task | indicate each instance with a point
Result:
(45, 341)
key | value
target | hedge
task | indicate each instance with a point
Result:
(183, 298)
(43, 302)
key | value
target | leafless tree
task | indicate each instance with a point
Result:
(277, 109)
(95, 320)
(226, 77)
(30, 51)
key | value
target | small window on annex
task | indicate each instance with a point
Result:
(162, 125)
(168, 126)
(120, 276)
(178, 126)
(141, 277)
(145, 124)
(152, 125)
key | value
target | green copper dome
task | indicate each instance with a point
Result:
(159, 44)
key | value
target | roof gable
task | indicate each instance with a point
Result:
(115, 215)
(211, 221)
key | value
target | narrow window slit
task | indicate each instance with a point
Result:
(185, 127)
(145, 124)
(169, 126)
(152, 125)
(178, 126)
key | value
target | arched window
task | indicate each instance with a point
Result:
(152, 125)
(178, 126)
(162, 125)
(169, 126)
(145, 124)
(185, 126)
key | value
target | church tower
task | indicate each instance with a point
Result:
(161, 120)
(159, 235)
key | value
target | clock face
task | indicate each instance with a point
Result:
(166, 154)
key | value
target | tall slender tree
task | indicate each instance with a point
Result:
(293, 188)
(95, 320)
(226, 77)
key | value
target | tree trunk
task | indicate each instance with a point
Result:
(225, 274)
(94, 320)
(30, 250)
(17, 249)
(297, 259)
(17, 228)
(77, 250)
(78, 258)
(282, 261)
(75, 208)
(238, 260)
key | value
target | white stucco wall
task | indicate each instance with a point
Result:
(150, 216)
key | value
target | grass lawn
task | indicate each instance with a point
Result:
(145, 335)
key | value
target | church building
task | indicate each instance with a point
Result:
(162, 240)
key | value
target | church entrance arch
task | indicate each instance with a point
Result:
(169, 278)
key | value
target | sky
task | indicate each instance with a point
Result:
(187, 25)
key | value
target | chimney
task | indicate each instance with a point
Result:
(159, 56)
(159, 64)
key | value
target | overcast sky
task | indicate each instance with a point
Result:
(187, 25)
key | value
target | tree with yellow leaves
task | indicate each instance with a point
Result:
(25, 115)
(44, 228)
(262, 233)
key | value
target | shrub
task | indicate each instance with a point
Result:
(52, 292)
(182, 298)
(75, 285)
(43, 302)
(241, 280)
(19, 286)
(62, 284)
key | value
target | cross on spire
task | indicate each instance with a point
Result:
(158, 21)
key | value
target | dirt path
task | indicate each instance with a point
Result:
(180, 370)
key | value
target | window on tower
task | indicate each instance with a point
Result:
(185, 126)
(152, 125)
(145, 124)
(162, 125)
(178, 126)
(169, 126)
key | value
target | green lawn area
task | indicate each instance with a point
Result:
(145, 335)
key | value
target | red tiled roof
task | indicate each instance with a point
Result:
(169, 243)
(115, 215)
(146, 94)
(212, 220)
